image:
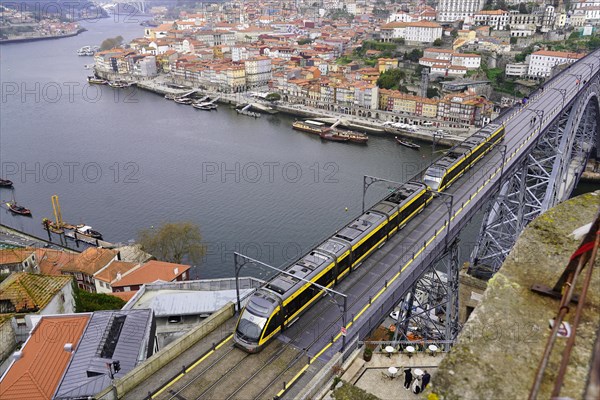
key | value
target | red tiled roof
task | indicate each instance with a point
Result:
(90, 261)
(51, 261)
(561, 54)
(31, 292)
(37, 374)
(115, 268)
(126, 296)
(14, 256)
(150, 272)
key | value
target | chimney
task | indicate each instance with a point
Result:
(17, 355)
(68, 347)
(176, 271)
(118, 276)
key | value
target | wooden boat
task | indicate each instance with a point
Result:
(407, 143)
(310, 126)
(183, 100)
(96, 81)
(351, 136)
(334, 136)
(248, 113)
(86, 230)
(5, 183)
(205, 106)
(17, 209)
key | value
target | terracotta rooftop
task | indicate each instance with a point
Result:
(150, 272)
(561, 54)
(51, 261)
(25, 292)
(14, 256)
(115, 268)
(126, 296)
(39, 371)
(90, 261)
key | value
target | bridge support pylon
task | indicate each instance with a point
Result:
(430, 308)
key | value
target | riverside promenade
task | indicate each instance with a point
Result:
(163, 85)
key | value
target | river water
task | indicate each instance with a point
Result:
(125, 160)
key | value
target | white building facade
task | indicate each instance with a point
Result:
(541, 62)
(455, 10)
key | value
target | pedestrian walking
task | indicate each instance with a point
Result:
(425, 380)
(407, 378)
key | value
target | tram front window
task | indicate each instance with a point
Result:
(250, 325)
(433, 177)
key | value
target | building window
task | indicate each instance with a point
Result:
(174, 319)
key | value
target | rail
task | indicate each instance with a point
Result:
(584, 256)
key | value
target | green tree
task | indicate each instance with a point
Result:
(432, 92)
(391, 79)
(89, 302)
(172, 242)
(111, 43)
(438, 42)
(273, 97)
(414, 55)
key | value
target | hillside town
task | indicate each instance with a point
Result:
(89, 319)
(454, 65)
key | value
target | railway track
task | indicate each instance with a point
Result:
(234, 374)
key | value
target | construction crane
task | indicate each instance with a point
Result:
(58, 221)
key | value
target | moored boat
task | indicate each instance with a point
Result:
(96, 81)
(88, 231)
(205, 106)
(351, 136)
(183, 100)
(407, 143)
(119, 84)
(17, 209)
(5, 183)
(310, 126)
(334, 136)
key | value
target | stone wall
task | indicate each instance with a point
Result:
(501, 345)
(8, 341)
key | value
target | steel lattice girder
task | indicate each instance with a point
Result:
(433, 295)
(545, 177)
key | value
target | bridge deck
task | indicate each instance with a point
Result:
(318, 331)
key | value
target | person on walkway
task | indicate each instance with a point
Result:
(407, 378)
(425, 380)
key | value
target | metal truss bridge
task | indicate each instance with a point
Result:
(547, 145)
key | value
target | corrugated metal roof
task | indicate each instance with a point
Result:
(87, 373)
(187, 302)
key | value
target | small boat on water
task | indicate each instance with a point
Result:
(205, 106)
(17, 209)
(88, 231)
(119, 84)
(333, 136)
(96, 81)
(6, 183)
(407, 143)
(353, 137)
(183, 100)
(310, 126)
(248, 113)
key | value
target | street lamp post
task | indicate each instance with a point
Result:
(368, 181)
(563, 92)
(241, 260)
(539, 114)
